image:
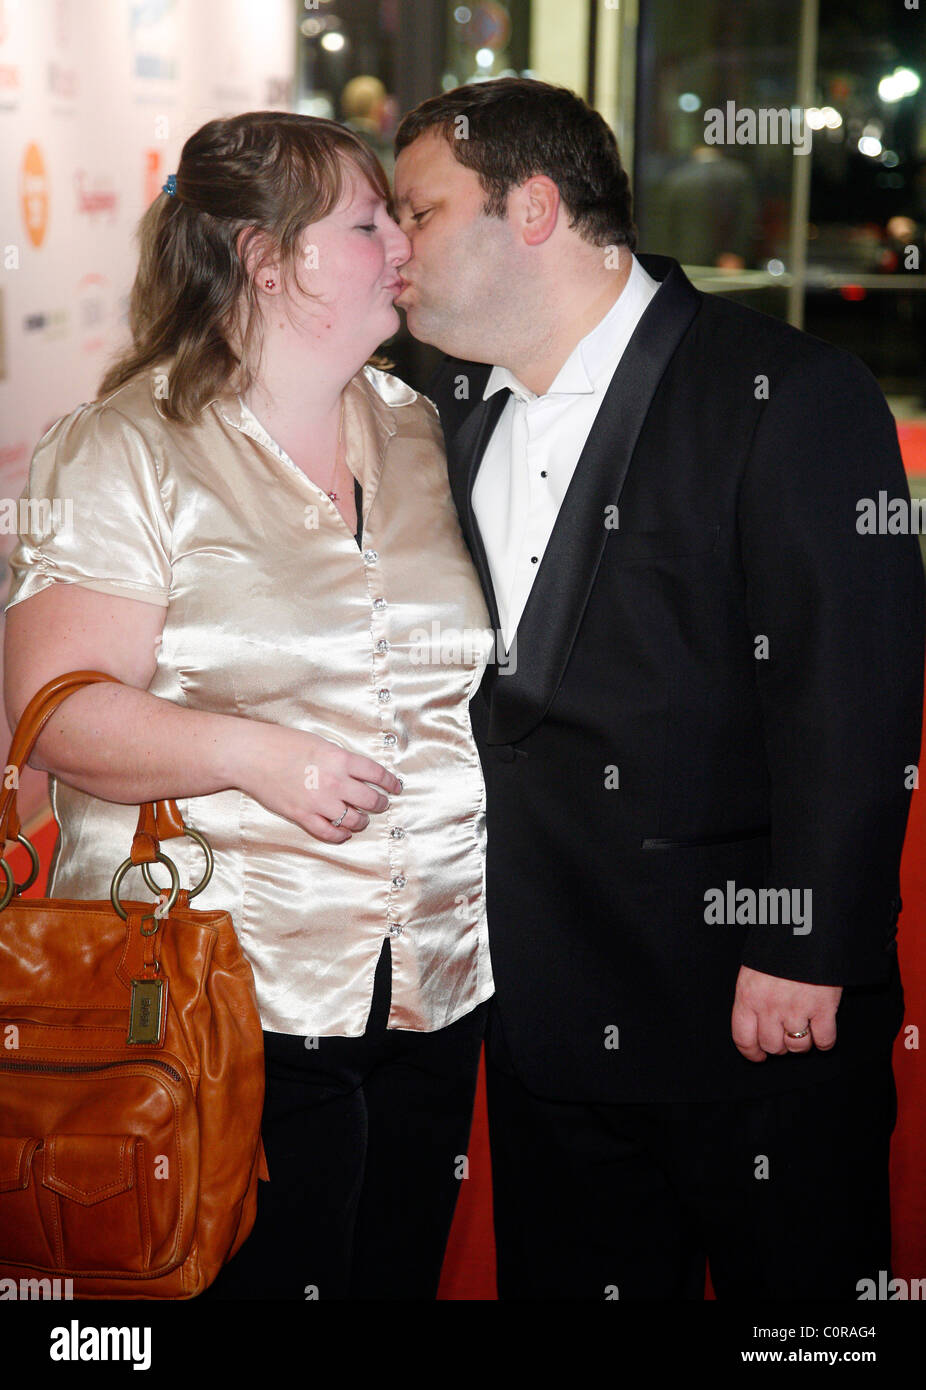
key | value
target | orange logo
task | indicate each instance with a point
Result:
(153, 176)
(34, 195)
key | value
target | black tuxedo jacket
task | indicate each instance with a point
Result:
(722, 692)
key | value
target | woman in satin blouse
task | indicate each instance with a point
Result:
(263, 547)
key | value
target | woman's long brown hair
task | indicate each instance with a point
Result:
(271, 172)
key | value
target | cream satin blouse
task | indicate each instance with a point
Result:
(274, 613)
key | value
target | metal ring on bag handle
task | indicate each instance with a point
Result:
(33, 855)
(207, 874)
(13, 888)
(120, 874)
(10, 885)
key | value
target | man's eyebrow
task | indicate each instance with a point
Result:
(406, 198)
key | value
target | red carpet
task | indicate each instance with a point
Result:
(912, 436)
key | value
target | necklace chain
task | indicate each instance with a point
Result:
(337, 455)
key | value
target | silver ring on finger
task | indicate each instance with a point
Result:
(802, 1034)
(337, 822)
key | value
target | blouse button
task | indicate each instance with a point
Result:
(399, 881)
(390, 739)
(382, 645)
(379, 603)
(384, 696)
(370, 556)
(397, 832)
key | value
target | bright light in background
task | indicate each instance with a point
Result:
(333, 42)
(819, 116)
(890, 159)
(775, 267)
(484, 57)
(462, 15)
(902, 82)
(689, 101)
(869, 145)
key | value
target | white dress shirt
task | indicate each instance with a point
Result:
(529, 461)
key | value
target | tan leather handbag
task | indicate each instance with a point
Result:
(131, 1073)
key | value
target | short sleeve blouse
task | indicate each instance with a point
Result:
(274, 613)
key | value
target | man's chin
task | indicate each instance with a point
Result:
(416, 324)
(427, 331)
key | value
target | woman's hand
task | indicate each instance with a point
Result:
(119, 743)
(309, 780)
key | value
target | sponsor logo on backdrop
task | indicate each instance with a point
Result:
(154, 175)
(34, 194)
(96, 197)
(10, 73)
(156, 45)
(144, 13)
(94, 309)
(62, 82)
(62, 78)
(64, 27)
(52, 324)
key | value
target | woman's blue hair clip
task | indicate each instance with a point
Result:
(170, 186)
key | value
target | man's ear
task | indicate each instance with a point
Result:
(534, 207)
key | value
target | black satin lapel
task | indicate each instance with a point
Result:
(465, 449)
(522, 694)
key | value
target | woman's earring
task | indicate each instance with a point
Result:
(269, 284)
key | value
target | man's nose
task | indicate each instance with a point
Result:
(402, 248)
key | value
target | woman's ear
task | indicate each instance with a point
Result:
(252, 246)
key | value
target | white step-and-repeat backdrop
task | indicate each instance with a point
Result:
(96, 100)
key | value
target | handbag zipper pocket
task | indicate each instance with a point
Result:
(98, 1167)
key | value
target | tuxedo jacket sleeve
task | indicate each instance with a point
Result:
(837, 619)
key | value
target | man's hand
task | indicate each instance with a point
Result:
(767, 1008)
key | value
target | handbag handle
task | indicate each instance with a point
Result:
(157, 820)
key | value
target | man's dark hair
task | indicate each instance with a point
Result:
(516, 127)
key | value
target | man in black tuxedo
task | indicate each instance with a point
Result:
(699, 753)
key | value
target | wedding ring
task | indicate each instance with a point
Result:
(802, 1034)
(337, 822)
